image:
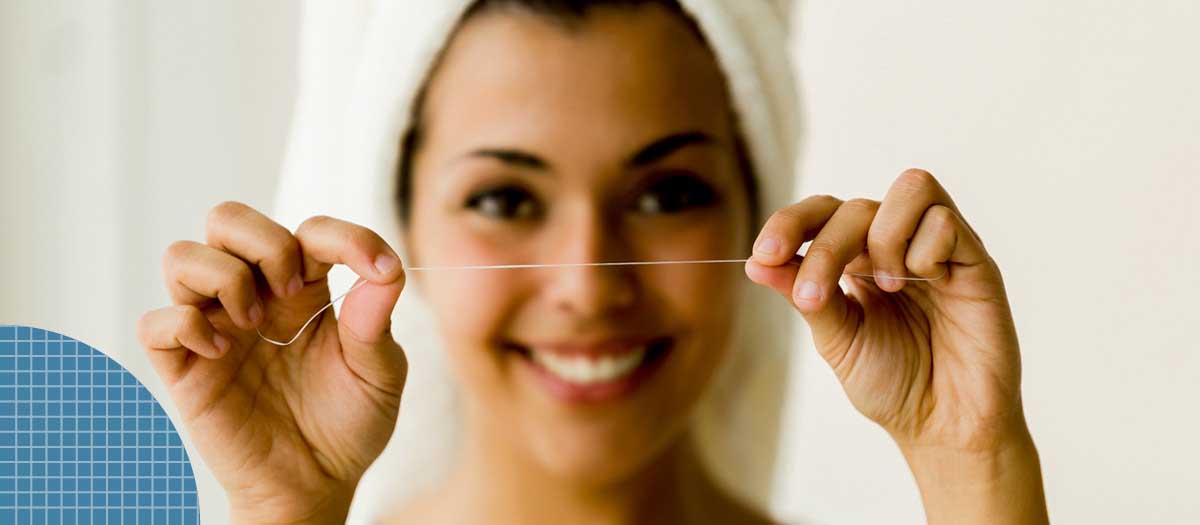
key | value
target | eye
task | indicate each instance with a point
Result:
(505, 203)
(675, 193)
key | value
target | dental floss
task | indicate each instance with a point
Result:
(795, 259)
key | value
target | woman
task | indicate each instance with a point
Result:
(562, 132)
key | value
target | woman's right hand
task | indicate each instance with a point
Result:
(288, 431)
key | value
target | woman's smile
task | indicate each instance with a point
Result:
(591, 372)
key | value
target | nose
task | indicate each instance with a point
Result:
(590, 291)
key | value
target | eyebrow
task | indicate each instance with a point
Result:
(649, 154)
(512, 157)
(667, 145)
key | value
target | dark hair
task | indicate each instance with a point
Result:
(569, 13)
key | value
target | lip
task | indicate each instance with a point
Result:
(595, 348)
(572, 393)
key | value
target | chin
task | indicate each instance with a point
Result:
(600, 456)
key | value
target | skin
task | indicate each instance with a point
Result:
(626, 89)
(289, 432)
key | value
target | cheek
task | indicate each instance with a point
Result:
(472, 308)
(702, 296)
(702, 299)
(470, 303)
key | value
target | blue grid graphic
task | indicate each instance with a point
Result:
(82, 441)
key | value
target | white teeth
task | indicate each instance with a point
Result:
(586, 370)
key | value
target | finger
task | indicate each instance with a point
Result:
(255, 238)
(787, 229)
(778, 278)
(815, 292)
(841, 241)
(782, 278)
(325, 241)
(913, 192)
(859, 276)
(861, 266)
(168, 334)
(364, 327)
(943, 239)
(197, 273)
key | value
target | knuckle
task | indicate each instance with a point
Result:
(236, 282)
(290, 246)
(316, 221)
(361, 238)
(821, 250)
(914, 185)
(883, 243)
(285, 249)
(886, 236)
(144, 327)
(175, 252)
(240, 276)
(188, 318)
(824, 200)
(782, 215)
(791, 213)
(921, 262)
(861, 204)
(918, 177)
(942, 217)
(226, 211)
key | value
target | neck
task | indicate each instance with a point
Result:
(494, 484)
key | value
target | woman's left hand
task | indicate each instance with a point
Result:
(935, 363)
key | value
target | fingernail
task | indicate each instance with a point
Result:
(384, 263)
(767, 246)
(294, 285)
(221, 343)
(809, 291)
(256, 313)
(885, 280)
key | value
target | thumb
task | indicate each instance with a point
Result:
(364, 328)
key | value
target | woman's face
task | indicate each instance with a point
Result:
(607, 141)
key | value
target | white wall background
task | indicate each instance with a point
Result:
(121, 123)
(1067, 132)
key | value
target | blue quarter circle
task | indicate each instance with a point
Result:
(83, 441)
